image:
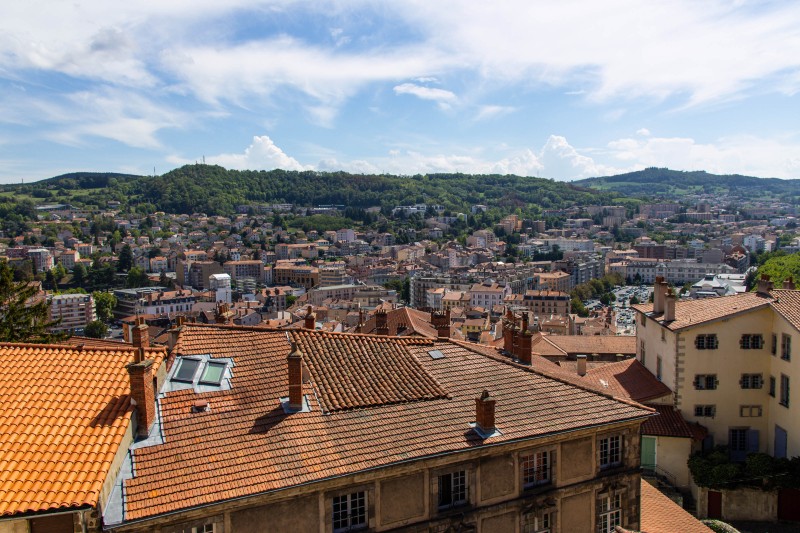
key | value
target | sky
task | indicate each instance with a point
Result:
(562, 90)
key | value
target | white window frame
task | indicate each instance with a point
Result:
(349, 500)
(458, 489)
(613, 445)
(609, 512)
(536, 468)
(542, 521)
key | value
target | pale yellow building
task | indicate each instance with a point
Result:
(729, 363)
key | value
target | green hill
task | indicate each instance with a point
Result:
(673, 184)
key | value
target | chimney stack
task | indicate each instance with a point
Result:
(484, 413)
(669, 306)
(523, 345)
(140, 373)
(581, 358)
(295, 361)
(311, 319)
(764, 285)
(381, 322)
(788, 283)
(140, 335)
(659, 290)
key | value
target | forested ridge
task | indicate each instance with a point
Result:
(214, 190)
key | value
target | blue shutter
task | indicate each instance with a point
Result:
(752, 441)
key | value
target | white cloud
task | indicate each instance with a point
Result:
(492, 111)
(262, 154)
(441, 96)
(644, 132)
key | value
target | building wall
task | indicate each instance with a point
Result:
(787, 418)
(405, 496)
(671, 455)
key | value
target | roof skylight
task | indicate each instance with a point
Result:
(212, 374)
(187, 370)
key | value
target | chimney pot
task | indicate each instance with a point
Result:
(484, 412)
(581, 358)
(140, 336)
(788, 283)
(764, 285)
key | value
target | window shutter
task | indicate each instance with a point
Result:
(741, 382)
(716, 382)
(741, 342)
(752, 441)
(696, 382)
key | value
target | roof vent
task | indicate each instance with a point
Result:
(200, 406)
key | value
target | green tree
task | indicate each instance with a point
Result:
(24, 317)
(405, 294)
(125, 260)
(137, 278)
(96, 330)
(79, 274)
(104, 303)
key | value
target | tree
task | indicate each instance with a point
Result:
(104, 304)
(24, 317)
(137, 278)
(96, 330)
(79, 274)
(125, 260)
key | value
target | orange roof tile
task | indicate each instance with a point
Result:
(561, 345)
(659, 514)
(63, 413)
(690, 313)
(360, 418)
(416, 323)
(787, 303)
(624, 379)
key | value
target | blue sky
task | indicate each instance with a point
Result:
(561, 90)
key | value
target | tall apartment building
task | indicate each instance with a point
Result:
(195, 274)
(74, 310)
(248, 269)
(541, 303)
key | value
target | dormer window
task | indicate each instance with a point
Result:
(212, 374)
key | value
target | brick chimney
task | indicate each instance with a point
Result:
(764, 285)
(581, 358)
(484, 413)
(310, 320)
(788, 283)
(140, 336)
(441, 321)
(295, 363)
(140, 373)
(659, 290)
(381, 322)
(669, 306)
(523, 345)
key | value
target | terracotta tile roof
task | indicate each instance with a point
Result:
(690, 313)
(416, 322)
(247, 444)
(659, 514)
(787, 303)
(668, 423)
(623, 379)
(560, 345)
(63, 414)
(355, 371)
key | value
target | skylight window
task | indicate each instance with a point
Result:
(212, 374)
(186, 370)
(436, 354)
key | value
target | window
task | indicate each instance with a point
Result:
(664, 334)
(706, 342)
(772, 386)
(747, 411)
(784, 398)
(212, 374)
(186, 370)
(641, 345)
(611, 451)
(774, 349)
(658, 368)
(535, 469)
(705, 381)
(737, 441)
(452, 489)
(786, 347)
(751, 381)
(610, 513)
(350, 511)
(708, 411)
(538, 522)
(751, 342)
